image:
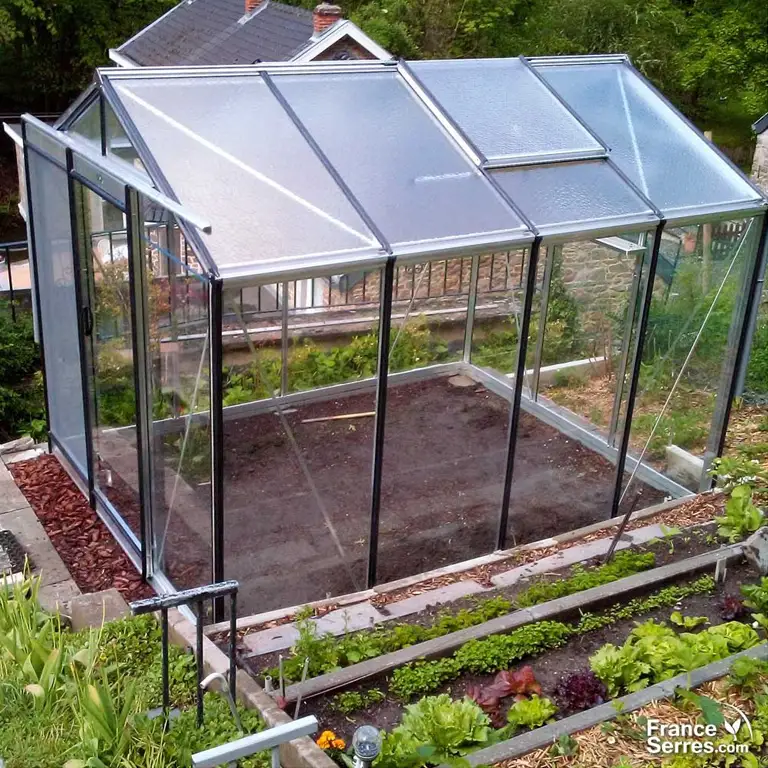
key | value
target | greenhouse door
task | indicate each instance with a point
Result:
(103, 255)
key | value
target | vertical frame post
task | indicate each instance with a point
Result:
(626, 347)
(471, 305)
(199, 662)
(36, 281)
(138, 289)
(385, 325)
(217, 439)
(165, 662)
(284, 338)
(514, 419)
(233, 644)
(84, 327)
(553, 252)
(621, 458)
(743, 344)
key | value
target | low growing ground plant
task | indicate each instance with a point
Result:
(741, 517)
(624, 564)
(531, 713)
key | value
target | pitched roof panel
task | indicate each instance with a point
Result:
(211, 32)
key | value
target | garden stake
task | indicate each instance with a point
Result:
(281, 680)
(609, 554)
(721, 569)
(268, 684)
(303, 680)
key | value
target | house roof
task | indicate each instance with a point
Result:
(210, 32)
(302, 168)
(761, 125)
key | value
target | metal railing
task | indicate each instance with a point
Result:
(6, 249)
(196, 596)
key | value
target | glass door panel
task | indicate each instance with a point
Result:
(104, 259)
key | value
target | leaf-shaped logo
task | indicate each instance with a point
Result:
(732, 728)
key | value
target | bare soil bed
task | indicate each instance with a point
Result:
(297, 500)
(548, 668)
(83, 542)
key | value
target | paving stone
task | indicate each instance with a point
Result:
(97, 608)
(32, 453)
(349, 619)
(11, 498)
(433, 597)
(644, 535)
(271, 640)
(462, 381)
(29, 532)
(57, 597)
(14, 446)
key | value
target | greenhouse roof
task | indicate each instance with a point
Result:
(329, 165)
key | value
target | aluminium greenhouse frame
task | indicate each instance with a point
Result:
(125, 188)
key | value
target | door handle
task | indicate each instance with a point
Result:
(87, 320)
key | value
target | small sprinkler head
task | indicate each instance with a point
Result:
(366, 744)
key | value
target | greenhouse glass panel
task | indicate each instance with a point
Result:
(565, 467)
(179, 355)
(445, 438)
(568, 197)
(88, 124)
(256, 169)
(649, 141)
(55, 275)
(298, 466)
(104, 263)
(688, 351)
(505, 110)
(415, 183)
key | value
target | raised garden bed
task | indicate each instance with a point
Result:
(686, 620)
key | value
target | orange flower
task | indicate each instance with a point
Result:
(338, 744)
(326, 739)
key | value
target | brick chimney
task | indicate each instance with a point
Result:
(252, 5)
(324, 16)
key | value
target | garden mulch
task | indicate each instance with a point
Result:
(549, 668)
(94, 559)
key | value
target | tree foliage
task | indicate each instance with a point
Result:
(49, 48)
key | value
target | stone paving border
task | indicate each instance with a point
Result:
(17, 516)
(364, 615)
(546, 735)
(563, 606)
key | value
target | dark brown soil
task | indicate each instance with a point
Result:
(676, 547)
(549, 669)
(297, 500)
(95, 560)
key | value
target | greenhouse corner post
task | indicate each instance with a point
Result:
(84, 329)
(36, 282)
(621, 458)
(514, 420)
(215, 320)
(744, 334)
(385, 324)
(137, 289)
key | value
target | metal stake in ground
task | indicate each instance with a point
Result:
(622, 527)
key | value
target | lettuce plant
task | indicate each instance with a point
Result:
(581, 690)
(531, 713)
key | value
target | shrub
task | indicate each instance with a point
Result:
(22, 400)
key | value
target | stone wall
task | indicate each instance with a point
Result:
(760, 162)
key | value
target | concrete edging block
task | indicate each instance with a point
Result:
(300, 753)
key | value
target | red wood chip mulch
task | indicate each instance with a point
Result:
(83, 542)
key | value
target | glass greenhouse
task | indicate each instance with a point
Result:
(320, 327)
